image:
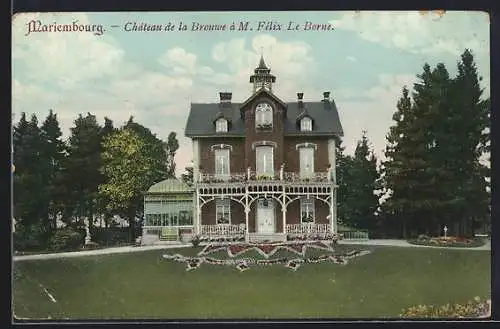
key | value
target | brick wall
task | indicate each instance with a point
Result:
(292, 159)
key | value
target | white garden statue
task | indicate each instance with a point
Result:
(445, 229)
(87, 231)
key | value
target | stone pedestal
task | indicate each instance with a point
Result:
(87, 232)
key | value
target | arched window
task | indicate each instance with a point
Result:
(306, 124)
(221, 125)
(263, 116)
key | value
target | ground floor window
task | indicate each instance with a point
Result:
(223, 211)
(307, 210)
(168, 213)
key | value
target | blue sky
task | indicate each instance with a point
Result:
(154, 76)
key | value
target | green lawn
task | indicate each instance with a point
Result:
(144, 285)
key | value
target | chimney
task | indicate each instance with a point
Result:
(326, 96)
(225, 97)
(299, 99)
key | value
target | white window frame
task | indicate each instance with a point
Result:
(222, 168)
(221, 125)
(307, 206)
(306, 124)
(310, 162)
(223, 207)
(264, 116)
(264, 171)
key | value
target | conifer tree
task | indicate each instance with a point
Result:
(53, 156)
(342, 163)
(82, 176)
(362, 200)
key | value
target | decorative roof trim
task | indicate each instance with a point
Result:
(315, 146)
(264, 143)
(304, 114)
(219, 116)
(261, 91)
(221, 147)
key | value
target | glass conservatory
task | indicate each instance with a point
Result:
(168, 212)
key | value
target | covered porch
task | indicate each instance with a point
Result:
(267, 212)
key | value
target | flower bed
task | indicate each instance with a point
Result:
(313, 237)
(265, 249)
(243, 264)
(208, 238)
(476, 308)
(450, 241)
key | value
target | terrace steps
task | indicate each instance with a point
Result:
(270, 237)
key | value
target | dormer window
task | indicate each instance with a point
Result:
(221, 125)
(306, 124)
(264, 116)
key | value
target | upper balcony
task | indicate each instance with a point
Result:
(281, 177)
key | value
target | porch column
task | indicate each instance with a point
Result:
(334, 209)
(332, 204)
(283, 210)
(247, 211)
(198, 213)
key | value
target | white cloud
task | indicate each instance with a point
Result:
(178, 58)
(158, 100)
(65, 58)
(288, 61)
(425, 33)
(374, 114)
(417, 32)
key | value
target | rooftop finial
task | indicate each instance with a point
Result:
(262, 64)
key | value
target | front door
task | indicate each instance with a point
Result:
(265, 216)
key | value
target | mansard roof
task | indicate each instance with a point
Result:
(324, 113)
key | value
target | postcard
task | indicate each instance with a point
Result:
(251, 165)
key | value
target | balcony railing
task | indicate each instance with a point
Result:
(308, 228)
(293, 177)
(223, 230)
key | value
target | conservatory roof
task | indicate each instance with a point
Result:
(170, 186)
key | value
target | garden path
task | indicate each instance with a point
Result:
(115, 250)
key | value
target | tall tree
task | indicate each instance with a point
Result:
(106, 131)
(469, 127)
(82, 174)
(343, 163)
(437, 199)
(29, 206)
(362, 200)
(53, 155)
(154, 148)
(19, 136)
(126, 163)
(433, 170)
(171, 148)
(401, 168)
(21, 154)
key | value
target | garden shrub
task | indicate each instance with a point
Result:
(65, 239)
(29, 237)
(195, 241)
(113, 236)
(472, 309)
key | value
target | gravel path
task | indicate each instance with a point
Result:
(107, 251)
